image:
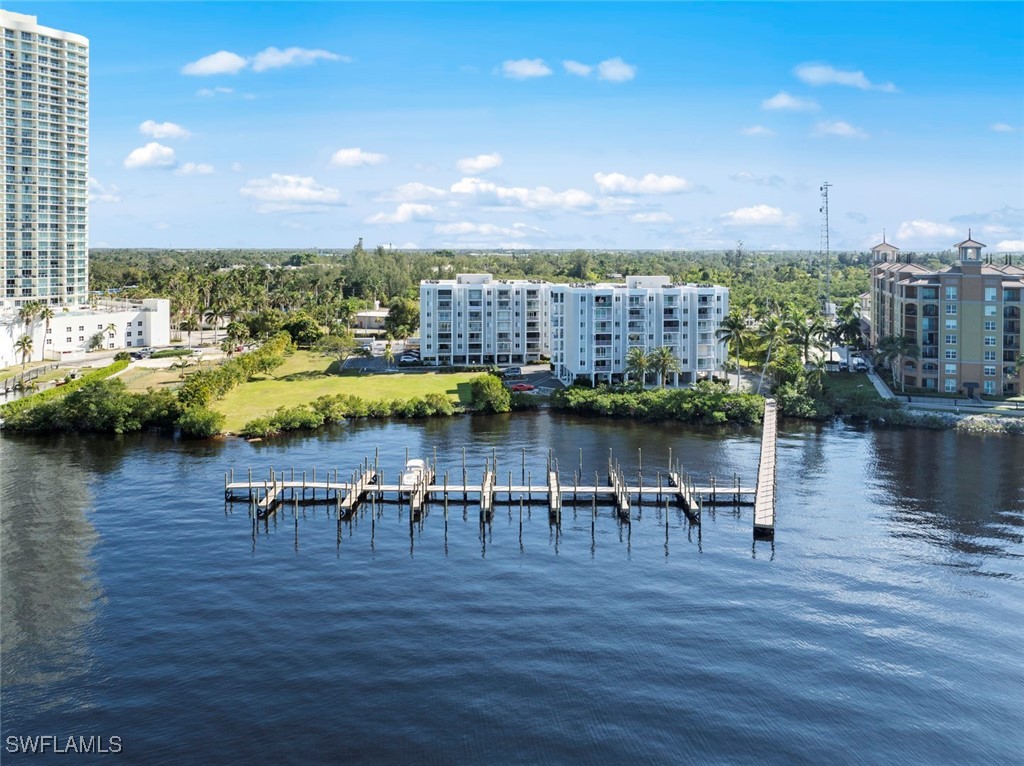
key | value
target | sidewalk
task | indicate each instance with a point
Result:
(956, 406)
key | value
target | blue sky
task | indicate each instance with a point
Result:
(683, 126)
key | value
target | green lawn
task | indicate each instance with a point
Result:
(303, 378)
(842, 384)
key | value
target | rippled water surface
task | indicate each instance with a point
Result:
(883, 624)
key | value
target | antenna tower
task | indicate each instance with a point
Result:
(825, 250)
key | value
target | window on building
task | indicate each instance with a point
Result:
(951, 293)
(990, 311)
(950, 324)
(990, 293)
(951, 339)
(951, 309)
(950, 353)
(950, 385)
(990, 386)
(990, 370)
(951, 369)
(990, 340)
(990, 356)
(990, 324)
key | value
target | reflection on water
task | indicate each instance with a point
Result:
(959, 492)
(135, 602)
(49, 592)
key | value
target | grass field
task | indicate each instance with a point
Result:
(303, 378)
(842, 384)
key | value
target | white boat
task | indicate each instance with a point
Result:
(412, 475)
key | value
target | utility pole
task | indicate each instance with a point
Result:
(825, 249)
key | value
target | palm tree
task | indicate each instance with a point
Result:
(733, 331)
(24, 346)
(46, 313)
(893, 350)
(638, 364)
(773, 334)
(806, 332)
(27, 313)
(389, 355)
(663, 361)
(190, 326)
(111, 330)
(1020, 363)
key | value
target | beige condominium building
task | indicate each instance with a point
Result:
(965, 319)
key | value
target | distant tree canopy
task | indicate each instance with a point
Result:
(262, 287)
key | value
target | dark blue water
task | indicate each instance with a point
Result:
(883, 625)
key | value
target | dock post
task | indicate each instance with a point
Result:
(581, 462)
(575, 486)
(509, 485)
(250, 482)
(659, 486)
(446, 495)
(225, 485)
(464, 494)
(736, 498)
(524, 469)
(435, 460)
(714, 494)
(529, 487)
(639, 459)
(670, 459)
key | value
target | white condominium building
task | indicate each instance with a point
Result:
(475, 319)
(593, 326)
(45, 163)
(585, 329)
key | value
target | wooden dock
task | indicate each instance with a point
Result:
(367, 483)
(764, 500)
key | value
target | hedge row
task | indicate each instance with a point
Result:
(706, 402)
(339, 407)
(58, 392)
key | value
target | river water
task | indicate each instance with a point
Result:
(882, 625)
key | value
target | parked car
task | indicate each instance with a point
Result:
(859, 365)
(521, 388)
(136, 355)
(513, 372)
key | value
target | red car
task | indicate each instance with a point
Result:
(521, 387)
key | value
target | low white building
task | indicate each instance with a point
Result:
(593, 326)
(475, 319)
(69, 334)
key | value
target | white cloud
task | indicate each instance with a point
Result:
(540, 197)
(404, 213)
(615, 70)
(910, 231)
(487, 230)
(480, 164)
(100, 193)
(651, 218)
(152, 155)
(195, 169)
(274, 58)
(221, 62)
(1010, 246)
(578, 69)
(750, 178)
(757, 130)
(525, 69)
(759, 215)
(163, 130)
(1002, 127)
(617, 183)
(412, 192)
(356, 157)
(236, 167)
(838, 128)
(823, 74)
(783, 100)
(220, 90)
(226, 62)
(280, 193)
